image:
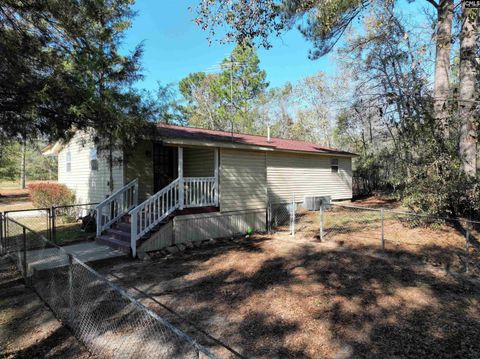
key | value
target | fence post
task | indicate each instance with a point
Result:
(70, 290)
(467, 250)
(1, 234)
(53, 231)
(321, 222)
(382, 215)
(25, 265)
(133, 233)
(292, 216)
(99, 221)
(269, 218)
(6, 231)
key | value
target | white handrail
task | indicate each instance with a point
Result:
(199, 191)
(152, 211)
(196, 191)
(112, 208)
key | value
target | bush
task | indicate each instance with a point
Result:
(440, 188)
(50, 194)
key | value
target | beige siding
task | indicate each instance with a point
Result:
(88, 185)
(198, 162)
(243, 181)
(139, 164)
(307, 175)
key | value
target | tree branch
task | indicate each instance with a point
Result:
(433, 3)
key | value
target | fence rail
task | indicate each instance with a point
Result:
(60, 224)
(454, 242)
(102, 315)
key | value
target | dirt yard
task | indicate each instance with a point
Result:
(14, 199)
(436, 242)
(274, 296)
(28, 327)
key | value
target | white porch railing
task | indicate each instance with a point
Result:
(112, 208)
(152, 211)
(199, 191)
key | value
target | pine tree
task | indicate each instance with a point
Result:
(225, 101)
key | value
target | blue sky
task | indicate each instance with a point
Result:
(174, 46)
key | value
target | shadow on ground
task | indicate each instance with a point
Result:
(28, 327)
(281, 298)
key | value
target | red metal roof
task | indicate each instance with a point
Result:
(201, 134)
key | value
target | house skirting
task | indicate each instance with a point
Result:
(198, 227)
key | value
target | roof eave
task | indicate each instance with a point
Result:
(52, 149)
(236, 145)
(233, 145)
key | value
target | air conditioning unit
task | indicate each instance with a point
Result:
(313, 203)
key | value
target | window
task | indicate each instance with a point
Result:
(93, 159)
(334, 165)
(69, 161)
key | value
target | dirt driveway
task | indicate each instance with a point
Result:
(274, 297)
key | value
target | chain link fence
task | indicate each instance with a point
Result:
(348, 222)
(279, 217)
(102, 315)
(38, 219)
(451, 243)
(62, 224)
(73, 223)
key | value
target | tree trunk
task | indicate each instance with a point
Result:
(23, 180)
(442, 62)
(466, 104)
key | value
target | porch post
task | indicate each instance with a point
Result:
(215, 166)
(181, 188)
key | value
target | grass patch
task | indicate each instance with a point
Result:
(69, 232)
(65, 231)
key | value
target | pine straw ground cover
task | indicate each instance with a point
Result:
(275, 296)
(28, 329)
(441, 243)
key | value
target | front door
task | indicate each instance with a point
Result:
(165, 165)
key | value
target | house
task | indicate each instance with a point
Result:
(186, 184)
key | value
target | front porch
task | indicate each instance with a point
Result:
(184, 179)
(156, 165)
(197, 176)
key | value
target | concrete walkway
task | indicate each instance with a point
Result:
(50, 258)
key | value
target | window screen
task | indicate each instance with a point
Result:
(334, 165)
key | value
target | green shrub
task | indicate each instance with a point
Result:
(50, 194)
(440, 188)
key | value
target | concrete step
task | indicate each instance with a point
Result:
(114, 243)
(118, 234)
